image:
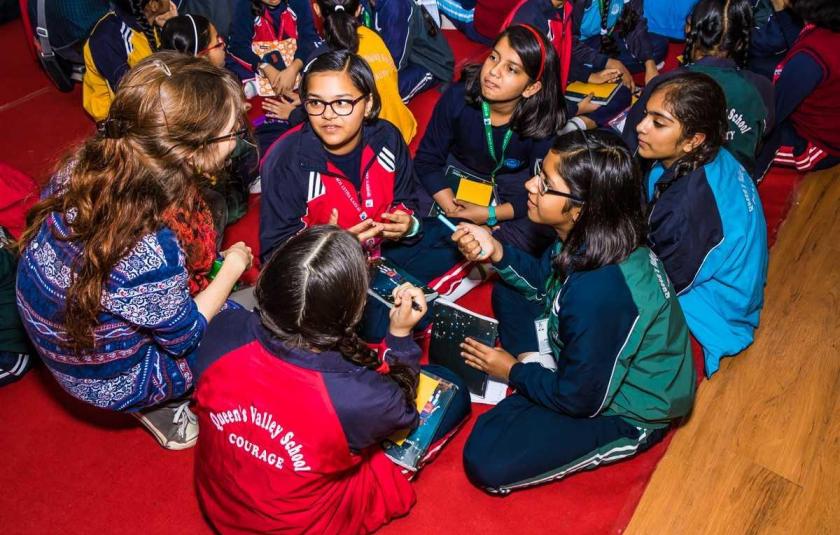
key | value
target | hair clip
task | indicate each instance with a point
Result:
(163, 66)
(338, 8)
(112, 128)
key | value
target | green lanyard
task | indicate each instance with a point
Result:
(366, 20)
(491, 146)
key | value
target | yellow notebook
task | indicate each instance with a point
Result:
(425, 389)
(601, 93)
(468, 187)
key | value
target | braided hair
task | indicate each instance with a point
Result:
(340, 23)
(311, 295)
(698, 103)
(625, 24)
(137, 9)
(720, 28)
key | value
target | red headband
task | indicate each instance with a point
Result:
(536, 35)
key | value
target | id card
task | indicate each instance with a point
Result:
(541, 327)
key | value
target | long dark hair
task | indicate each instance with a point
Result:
(142, 164)
(340, 23)
(137, 10)
(312, 293)
(698, 103)
(542, 114)
(188, 34)
(599, 169)
(820, 13)
(720, 27)
(354, 65)
(625, 24)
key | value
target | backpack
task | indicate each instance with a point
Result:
(429, 48)
(61, 28)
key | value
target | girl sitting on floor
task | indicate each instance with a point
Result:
(123, 37)
(342, 29)
(717, 44)
(612, 363)
(495, 124)
(346, 166)
(807, 85)
(617, 36)
(313, 462)
(705, 218)
(122, 239)
(554, 19)
(196, 36)
(271, 38)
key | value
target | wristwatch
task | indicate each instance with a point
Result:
(491, 216)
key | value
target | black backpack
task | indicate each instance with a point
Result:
(61, 28)
(428, 47)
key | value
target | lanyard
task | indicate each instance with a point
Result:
(605, 17)
(491, 146)
(366, 19)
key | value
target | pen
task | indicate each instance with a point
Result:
(443, 219)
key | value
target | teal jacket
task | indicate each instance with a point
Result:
(618, 336)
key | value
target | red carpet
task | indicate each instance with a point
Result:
(70, 468)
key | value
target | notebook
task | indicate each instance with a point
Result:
(407, 447)
(452, 324)
(468, 187)
(601, 93)
(385, 276)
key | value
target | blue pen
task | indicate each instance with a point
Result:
(443, 219)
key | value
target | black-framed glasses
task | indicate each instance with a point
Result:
(341, 107)
(239, 134)
(545, 189)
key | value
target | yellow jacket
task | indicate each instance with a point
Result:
(111, 50)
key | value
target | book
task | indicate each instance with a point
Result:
(601, 93)
(468, 187)
(385, 276)
(452, 324)
(278, 50)
(407, 447)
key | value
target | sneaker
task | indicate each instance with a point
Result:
(173, 424)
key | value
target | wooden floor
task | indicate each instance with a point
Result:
(761, 452)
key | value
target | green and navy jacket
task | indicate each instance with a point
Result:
(618, 336)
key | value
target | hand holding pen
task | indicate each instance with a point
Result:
(409, 308)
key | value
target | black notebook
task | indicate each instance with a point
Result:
(385, 276)
(452, 324)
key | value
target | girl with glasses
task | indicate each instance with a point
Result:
(593, 337)
(346, 166)
(492, 128)
(117, 258)
(196, 36)
(705, 217)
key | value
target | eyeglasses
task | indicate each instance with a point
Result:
(220, 42)
(544, 188)
(239, 134)
(341, 107)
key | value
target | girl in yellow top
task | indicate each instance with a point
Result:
(123, 37)
(343, 31)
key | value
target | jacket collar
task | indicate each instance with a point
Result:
(328, 361)
(313, 157)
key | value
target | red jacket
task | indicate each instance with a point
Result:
(300, 186)
(289, 439)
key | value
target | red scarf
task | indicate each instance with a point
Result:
(192, 224)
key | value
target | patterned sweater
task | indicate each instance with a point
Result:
(148, 330)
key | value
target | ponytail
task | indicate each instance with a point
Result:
(340, 23)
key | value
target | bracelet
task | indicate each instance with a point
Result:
(414, 229)
(491, 216)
